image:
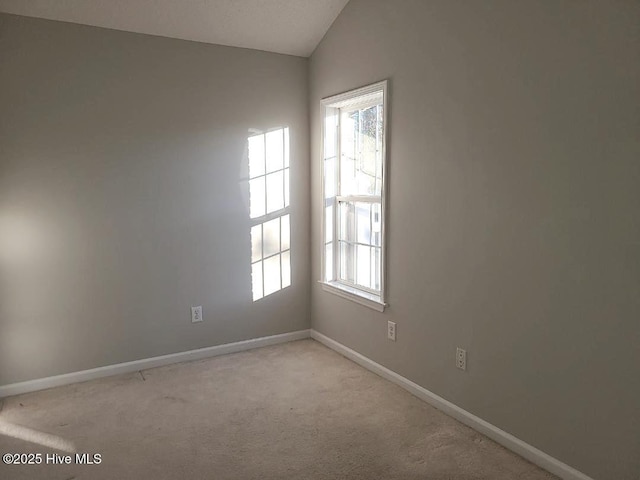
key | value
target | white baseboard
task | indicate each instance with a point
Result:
(146, 363)
(505, 439)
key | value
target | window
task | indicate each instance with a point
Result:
(354, 131)
(268, 209)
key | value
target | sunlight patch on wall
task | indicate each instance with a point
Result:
(18, 239)
(270, 257)
(268, 208)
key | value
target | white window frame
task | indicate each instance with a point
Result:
(357, 293)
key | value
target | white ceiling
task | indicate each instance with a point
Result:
(294, 27)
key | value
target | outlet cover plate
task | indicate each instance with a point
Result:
(461, 358)
(196, 314)
(391, 331)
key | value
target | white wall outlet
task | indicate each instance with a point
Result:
(461, 358)
(391, 331)
(196, 314)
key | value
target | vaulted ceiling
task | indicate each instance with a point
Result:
(293, 27)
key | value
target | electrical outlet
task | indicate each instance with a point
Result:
(196, 314)
(461, 358)
(391, 331)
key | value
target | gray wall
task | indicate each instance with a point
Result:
(123, 195)
(514, 212)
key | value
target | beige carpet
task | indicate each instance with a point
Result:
(291, 411)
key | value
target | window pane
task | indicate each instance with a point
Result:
(347, 262)
(256, 280)
(347, 221)
(347, 175)
(275, 191)
(328, 261)
(367, 158)
(271, 237)
(286, 233)
(256, 243)
(286, 269)
(376, 231)
(330, 126)
(376, 268)
(286, 187)
(349, 151)
(379, 159)
(363, 222)
(271, 275)
(330, 178)
(328, 224)
(256, 156)
(361, 162)
(363, 269)
(349, 127)
(275, 150)
(256, 197)
(286, 147)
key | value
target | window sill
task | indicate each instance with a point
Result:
(355, 295)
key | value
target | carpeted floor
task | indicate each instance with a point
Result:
(291, 411)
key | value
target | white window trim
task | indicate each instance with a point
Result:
(358, 295)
